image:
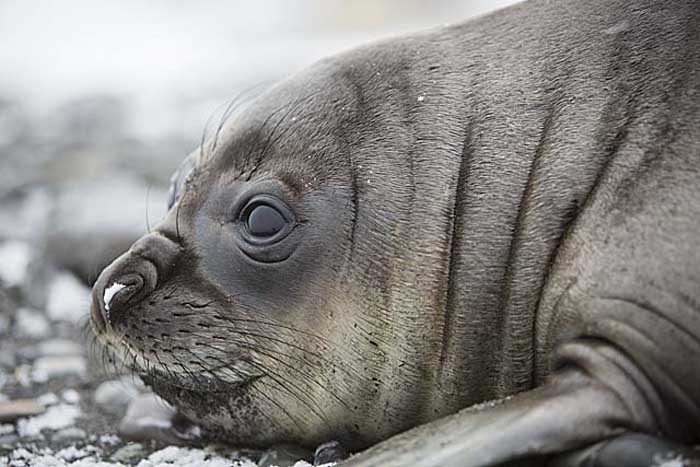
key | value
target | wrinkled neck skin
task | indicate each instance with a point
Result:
(456, 160)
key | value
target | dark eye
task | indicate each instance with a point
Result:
(265, 221)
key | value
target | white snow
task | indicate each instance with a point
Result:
(177, 456)
(171, 456)
(677, 461)
(68, 299)
(110, 292)
(72, 453)
(56, 417)
(15, 257)
(48, 399)
(110, 439)
(71, 396)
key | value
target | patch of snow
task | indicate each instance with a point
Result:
(55, 417)
(177, 456)
(110, 292)
(660, 461)
(48, 399)
(71, 396)
(15, 257)
(72, 453)
(68, 299)
(110, 439)
(21, 453)
(30, 323)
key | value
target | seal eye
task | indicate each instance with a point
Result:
(264, 221)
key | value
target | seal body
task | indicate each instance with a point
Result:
(502, 210)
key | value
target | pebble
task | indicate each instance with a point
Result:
(329, 452)
(68, 434)
(114, 396)
(70, 396)
(48, 399)
(150, 417)
(129, 454)
(9, 440)
(59, 347)
(72, 453)
(109, 439)
(14, 409)
(31, 323)
(4, 323)
(46, 368)
(283, 456)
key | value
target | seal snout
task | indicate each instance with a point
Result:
(130, 279)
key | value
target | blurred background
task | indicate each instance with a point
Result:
(99, 102)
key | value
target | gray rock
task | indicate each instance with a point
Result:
(129, 454)
(114, 396)
(59, 347)
(283, 456)
(46, 368)
(18, 408)
(150, 417)
(68, 434)
(24, 214)
(7, 360)
(4, 322)
(9, 441)
(31, 323)
(331, 451)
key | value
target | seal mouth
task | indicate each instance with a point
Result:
(197, 384)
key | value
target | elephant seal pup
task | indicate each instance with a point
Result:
(505, 210)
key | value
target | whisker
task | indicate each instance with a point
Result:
(270, 353)
(317, 410)
(148, 222)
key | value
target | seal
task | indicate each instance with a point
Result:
(473, 245)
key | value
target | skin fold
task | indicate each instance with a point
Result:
(488, 249)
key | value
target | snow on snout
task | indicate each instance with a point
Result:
(110, 292)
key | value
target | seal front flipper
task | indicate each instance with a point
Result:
(595, 393)
(630, 450)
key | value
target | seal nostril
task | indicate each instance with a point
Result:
(110, 292)
(120, 292)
